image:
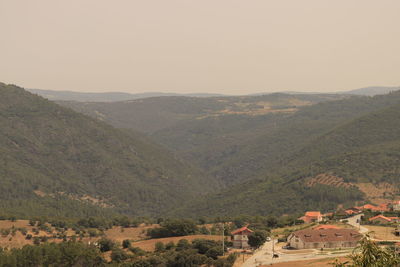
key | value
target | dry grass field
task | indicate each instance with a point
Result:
(307, 263)
(382, 232)
(118, 234)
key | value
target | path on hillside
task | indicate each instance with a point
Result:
(355, 221)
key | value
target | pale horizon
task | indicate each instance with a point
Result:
(181, 46)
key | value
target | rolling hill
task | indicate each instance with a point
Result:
(340, 161)
(373, 90)
(273, 154)
(55, 161)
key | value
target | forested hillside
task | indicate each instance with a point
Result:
(365, 149)
(55, 161)
(269, 152)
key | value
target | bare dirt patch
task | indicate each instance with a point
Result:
(119, 234)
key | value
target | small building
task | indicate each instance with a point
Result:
(380, 208)
(395, 206)
(326, 238)
(380, 219)
(311, 216)
(352, 211)
(240, 237)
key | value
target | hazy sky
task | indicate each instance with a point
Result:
(220, 46)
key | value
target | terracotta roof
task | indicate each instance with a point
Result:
(382, 217)
(349, 212)
(327, 235)
(243, 229)
(382, 207)
(313, 214)
(325, 226)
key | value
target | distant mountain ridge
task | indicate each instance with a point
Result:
(123, 96)
(373, 90)
(107, 96)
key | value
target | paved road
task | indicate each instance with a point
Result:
(263, 256)
(355, 222)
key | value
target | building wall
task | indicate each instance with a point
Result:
(297, 243)
(240, 241)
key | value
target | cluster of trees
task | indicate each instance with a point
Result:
(173, 227)
(71, 253)
(52, 254)
(199, 252)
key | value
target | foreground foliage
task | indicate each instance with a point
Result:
(369, 254)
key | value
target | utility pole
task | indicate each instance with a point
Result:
(223, 239)
(273, 246)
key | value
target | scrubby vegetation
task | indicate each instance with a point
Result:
(57, 162)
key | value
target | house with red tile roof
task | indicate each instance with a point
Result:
(240, 237)
(381, 208)
(383, 219)
(311, 216)
(350, 212)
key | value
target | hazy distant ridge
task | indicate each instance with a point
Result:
(105, 97)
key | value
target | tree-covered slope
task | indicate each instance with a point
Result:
(48, 152)
(365, 149)
(270, 151)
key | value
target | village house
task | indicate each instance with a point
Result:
(352, 211)
(380, 208)
(380, 219)
(311, 216)
(240, 237)
(325, 238)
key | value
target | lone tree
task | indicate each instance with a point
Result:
(257, 238)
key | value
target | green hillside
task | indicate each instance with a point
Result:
(270, 151)
(54, 161)
(265, 149)
(362, 150)
(205, 131)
